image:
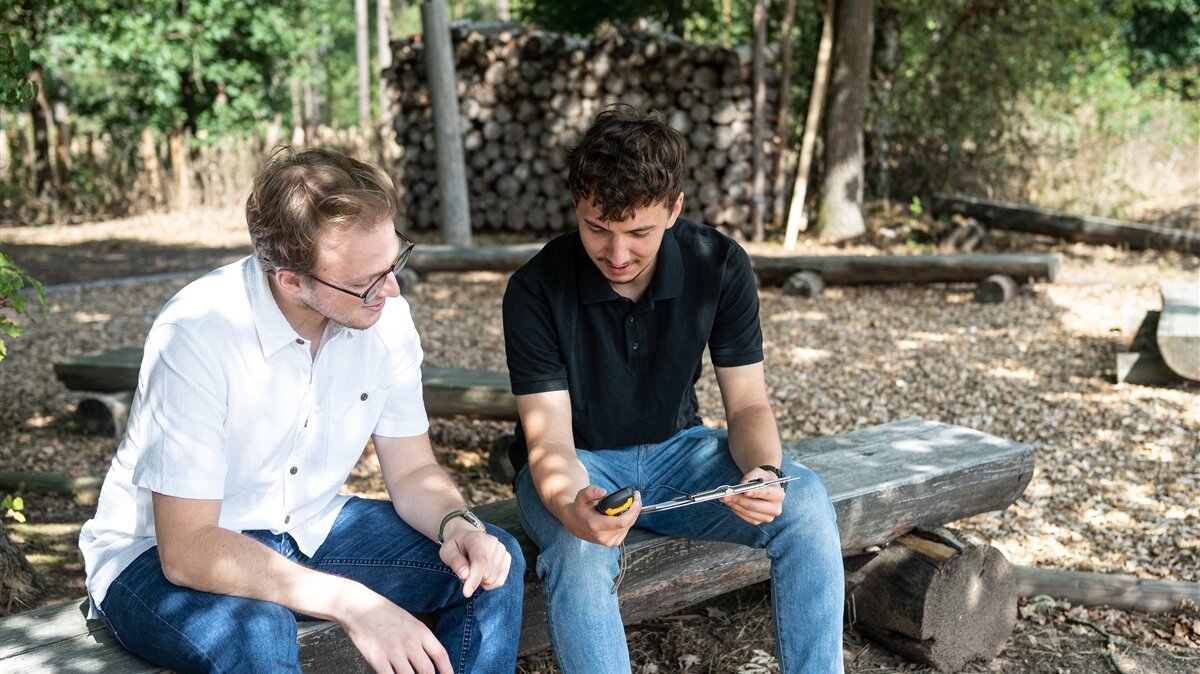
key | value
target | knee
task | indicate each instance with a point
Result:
(516, 569)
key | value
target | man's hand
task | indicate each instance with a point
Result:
(389, 638)
(477, 557)
(757, 506)
(583, 520)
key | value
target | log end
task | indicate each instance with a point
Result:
(804, 284)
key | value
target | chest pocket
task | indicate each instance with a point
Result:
(353, 417)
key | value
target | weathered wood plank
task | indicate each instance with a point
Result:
(863, 269)
(1179, 328)
(105, 372)
(884, 481)
(1087, 229)
(1105, 589)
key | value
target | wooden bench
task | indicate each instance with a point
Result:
(1166, 348)
(113, 374)
(884, 482)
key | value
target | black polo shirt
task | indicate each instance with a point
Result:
(630, 368)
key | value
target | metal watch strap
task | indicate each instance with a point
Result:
(778, 473)
(464, 513)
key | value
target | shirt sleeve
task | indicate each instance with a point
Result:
(404, 415)
(179, 417)
(535, 363)
(736, 337)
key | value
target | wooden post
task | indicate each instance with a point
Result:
(797, 220)
(785, 104)
(383, 51)
(452, 176)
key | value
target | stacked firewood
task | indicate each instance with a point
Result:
(526, 95)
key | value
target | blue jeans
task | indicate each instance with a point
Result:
(802, 544)
(192, 631)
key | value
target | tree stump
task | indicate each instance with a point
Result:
(804, 284)
(995, 289)
(104, 414)
(936, 598)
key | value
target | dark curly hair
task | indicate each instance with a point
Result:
(628, 159)
(298, 195)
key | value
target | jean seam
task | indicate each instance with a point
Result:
(195, 647)
(350, 561)
(468, 623)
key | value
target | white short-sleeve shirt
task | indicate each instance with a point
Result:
(230, 405)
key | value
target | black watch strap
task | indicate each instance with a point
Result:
(778, 473)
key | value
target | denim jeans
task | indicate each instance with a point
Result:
(192, 631)
(802, 544)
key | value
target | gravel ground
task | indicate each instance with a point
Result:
(1116, 487)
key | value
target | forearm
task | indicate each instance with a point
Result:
(225, 562)
(558, 475)
(754, 438)
(423, 496)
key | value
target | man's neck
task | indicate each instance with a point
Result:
(307, 323)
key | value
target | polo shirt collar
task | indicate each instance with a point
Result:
(666, 284)
(274, 331)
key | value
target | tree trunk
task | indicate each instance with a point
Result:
(758, 201)
(840, 215)
(62, 142)
(383, 51)
(150, 168)
(797, 220)
(362, 50)
(502, 12)
(887, 42)
(39, 110)
(19, 584)
(181, 165)
(785, 104)
(452, 177)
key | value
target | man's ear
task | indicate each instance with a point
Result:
(675, 211)
(289, 281)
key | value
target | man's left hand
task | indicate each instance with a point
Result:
(477, 557)
(757, 506)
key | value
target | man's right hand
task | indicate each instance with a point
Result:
(389, 638)
(583, 520)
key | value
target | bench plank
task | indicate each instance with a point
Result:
(1179, 328)
(883, 481)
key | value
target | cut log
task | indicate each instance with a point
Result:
(1128, 593)
(860, 269)
(1179, 328)
(936, 598)
(1084, 228)
(426, 259)
(804, 284)
(107, 372)
(995, 289)
(480, 394)
(104, 414)
(76, 486)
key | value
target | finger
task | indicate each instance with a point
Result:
(474, 577)
(437, 653)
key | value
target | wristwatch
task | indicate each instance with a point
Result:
(778, 473)
(463, 513)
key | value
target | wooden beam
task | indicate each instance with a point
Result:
(861, 269)
(1084, 228)
(884, 481)
(1128, 593)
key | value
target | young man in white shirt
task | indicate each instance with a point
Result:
(220, 523)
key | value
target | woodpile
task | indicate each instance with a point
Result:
(526, 95)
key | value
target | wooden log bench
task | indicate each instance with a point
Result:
(884, 481)
(1166, 348)
(112, 376)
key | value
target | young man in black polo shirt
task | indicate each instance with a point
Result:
(605, 331)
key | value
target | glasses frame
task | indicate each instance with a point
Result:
(367, 296)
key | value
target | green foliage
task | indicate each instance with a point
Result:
(12, 280)
(15, 87)
(1162, 39)
(13, 505)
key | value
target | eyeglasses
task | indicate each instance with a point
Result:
(372, 291)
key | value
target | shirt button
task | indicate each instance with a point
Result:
(635, 346)
(363, 397)
(287, 520)
(299, 341)
(631, 319)
(294, 470)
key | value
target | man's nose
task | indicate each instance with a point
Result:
(391, 287)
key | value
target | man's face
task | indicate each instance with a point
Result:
(352, 259)
(625, 251)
